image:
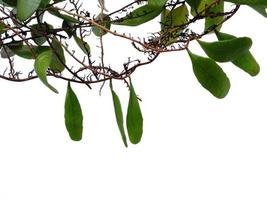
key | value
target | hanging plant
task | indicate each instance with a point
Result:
(26, 33)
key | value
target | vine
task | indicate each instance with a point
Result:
(26, 33)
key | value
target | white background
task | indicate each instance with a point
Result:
(194, 146)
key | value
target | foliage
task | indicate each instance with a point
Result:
(26, 34)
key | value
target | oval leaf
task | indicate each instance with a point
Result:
(249, 2)
(245, 62)
(118, 114)
(58, 57)
(105, 22)
(134, 118)
(210, 75)
(41, 65)
(73, 115)
(227, 50)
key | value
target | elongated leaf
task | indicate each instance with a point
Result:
(55, 12)
(210, 75)
(25, 8)
(134, 118)
(245, 62)
(211, 21)
(139, 16)
(26, 52)
(249, 2)
(73, 115)
(226, 50)
(118, 114)
(41, 65)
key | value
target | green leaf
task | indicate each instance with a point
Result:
(134, 118)
(249, 2)
(84, 46)
(58, 58)
(171, 23)
(25, 8)
(210, 75)
(193, 3)
(105, 22)
(226, 50)
(139, 16)
(2, 27)
(41, 65)
(211, 21)
(245, 62)
(73, 115)
(11, 3)
(37, 31)
(118, 114)
(55, 12)
(159, 3)
(26, 52)
(260, 9)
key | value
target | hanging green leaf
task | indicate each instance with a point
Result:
(226, 50)
(104, 21)
(139, 16)
(2, 27)
(68, 28)
(210, 75)
(134, 118)
(73, 115)
(25, 8)
(84, 46)
(245, 62)
(118, 114)
(210, 22)
(41, 65)
(172, 23)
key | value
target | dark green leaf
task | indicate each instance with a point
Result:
(134, 118)
(139, 16)
(38, 30)
(73, 115)
(118, 114)
(210, 75)
(226, 50)
(193, 3)
(41, 65)
(12, 3)
(245, 62)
